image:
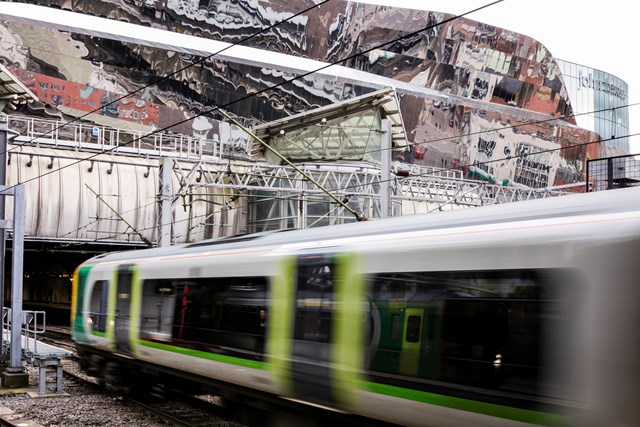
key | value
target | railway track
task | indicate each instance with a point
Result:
(194, 411)
(187, 411)
(179, 409)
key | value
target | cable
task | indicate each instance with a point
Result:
(360, 53)
(156, 82)
(228, 208)
(254, 94)
(287, 197)
(109, 218)
(529, 123)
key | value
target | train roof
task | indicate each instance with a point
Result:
(619, 200)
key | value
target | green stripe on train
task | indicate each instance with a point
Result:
(231, 360)
(507, 412)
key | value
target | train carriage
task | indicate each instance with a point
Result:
(518, 314)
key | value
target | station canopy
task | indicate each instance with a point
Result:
(350, 130)
(12, 92)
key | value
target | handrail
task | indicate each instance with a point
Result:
(33, 324)
(82, 135)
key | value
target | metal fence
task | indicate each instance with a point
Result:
(37, 131)
(613, 172)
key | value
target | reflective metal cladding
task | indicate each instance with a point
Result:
(486, 100)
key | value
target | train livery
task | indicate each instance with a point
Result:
(516, 314)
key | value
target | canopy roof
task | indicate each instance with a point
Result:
(13, 92)
(348, 130)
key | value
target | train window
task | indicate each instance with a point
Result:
(471, 320)
(314, 310)
(395, 327)
(225, 315)
(159, 299)
(98, 305)
(122, 317)
(413, 329)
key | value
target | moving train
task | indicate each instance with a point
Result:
(516, 314)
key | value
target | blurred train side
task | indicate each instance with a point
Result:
(504, 315)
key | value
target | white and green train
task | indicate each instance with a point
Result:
(517, 314)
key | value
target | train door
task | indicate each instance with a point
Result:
(313, 328)
(122, 318)
(320, 355)
(411, 338)
(431, 340)
(101, 315)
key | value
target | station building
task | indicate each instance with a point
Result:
(468, 101)
(599, 102)
(471, 91)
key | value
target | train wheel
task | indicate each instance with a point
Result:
(123, 379)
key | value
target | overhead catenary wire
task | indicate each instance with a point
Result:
(499, 159)
(288, 197)
(352, 187)
(96, 220)
(201, 61)
(285, 81)
(120, 217)
(477, 163)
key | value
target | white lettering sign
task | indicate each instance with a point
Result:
(601, 85)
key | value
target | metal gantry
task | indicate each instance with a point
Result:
(278, 195)
(288, 190)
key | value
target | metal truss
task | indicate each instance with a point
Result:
(463, 192)
(351, 180)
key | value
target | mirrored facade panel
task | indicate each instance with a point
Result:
(485, 101)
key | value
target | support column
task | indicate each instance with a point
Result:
(3, 181)
(385, 169)
(15, 374)
(165, 219)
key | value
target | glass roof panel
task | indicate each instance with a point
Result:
(349, 130)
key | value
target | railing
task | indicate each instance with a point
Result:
(80, 135)
(33, 324)
(613, 172)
